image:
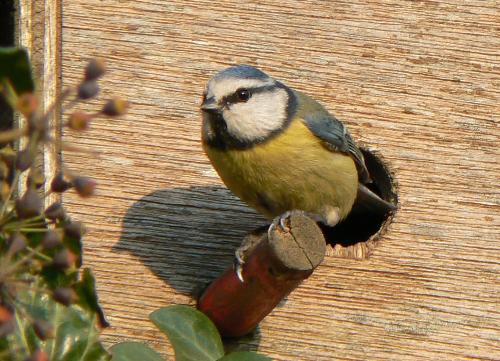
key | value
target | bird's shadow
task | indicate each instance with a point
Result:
(187, 236)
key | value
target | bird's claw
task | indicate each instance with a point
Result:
(270, 229)
(239, 261)
(281, 221)
(239, 272)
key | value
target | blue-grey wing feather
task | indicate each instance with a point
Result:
(335, 135)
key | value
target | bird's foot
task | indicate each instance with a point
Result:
(241, 254)
(331, 217)
(281, 221)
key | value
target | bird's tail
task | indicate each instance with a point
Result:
(369, 202)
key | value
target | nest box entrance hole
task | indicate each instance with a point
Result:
(358, 234)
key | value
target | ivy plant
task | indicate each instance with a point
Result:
(49, 309)
(192, 335)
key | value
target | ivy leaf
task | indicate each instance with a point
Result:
(64, 333)
(244, 356)
(75, 332)
(193, 336)
(15, 68)
(53, 277)
(87, 296)
(134, 351)
(76, 338)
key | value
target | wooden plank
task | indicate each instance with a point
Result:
(25, 39)
(51, 89)
(39, 33)
(417, 80)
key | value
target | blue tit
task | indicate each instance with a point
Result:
(279, 150)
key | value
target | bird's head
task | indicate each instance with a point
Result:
(245, 103)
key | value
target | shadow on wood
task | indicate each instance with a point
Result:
(187, 236)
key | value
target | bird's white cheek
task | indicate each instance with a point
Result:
(242, 124)
(258, 118)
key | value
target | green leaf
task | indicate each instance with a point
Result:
(134, 351)
(87, 295)
(76, 337)
(15, 68)
(75, 330)
(244, 356)
(54, 277)
(193, 336)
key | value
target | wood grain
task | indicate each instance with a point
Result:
(51, 89)
(25, 35)
(39, 26)
(416, 80)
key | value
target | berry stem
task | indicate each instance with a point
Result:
(9, 196)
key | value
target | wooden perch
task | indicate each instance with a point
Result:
(276, 263)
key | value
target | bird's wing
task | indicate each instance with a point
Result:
(335, 135)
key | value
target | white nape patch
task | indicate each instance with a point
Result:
(256, 119)
(219, 88)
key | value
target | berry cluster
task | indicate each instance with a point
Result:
(40, 248)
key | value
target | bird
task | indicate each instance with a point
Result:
(279, 150)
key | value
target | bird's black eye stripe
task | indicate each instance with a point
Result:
(242, 95)
(239, 96)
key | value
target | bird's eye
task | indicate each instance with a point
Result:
(243, 94)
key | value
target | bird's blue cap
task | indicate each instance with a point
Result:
(241, 72)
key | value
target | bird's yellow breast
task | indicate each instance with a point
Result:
(292, 170)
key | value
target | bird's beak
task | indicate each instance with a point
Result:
(209, 105)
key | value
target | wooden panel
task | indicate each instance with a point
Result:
(417, 80)
(39, 26)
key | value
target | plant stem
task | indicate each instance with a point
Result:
(17, 226)
(9, 93)
(33, 230)
(21, 334)
(11, 134)
(28, 221)
(11, 268)
(39, 254)
(11, 191)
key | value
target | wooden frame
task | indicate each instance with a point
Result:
(39, 31)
